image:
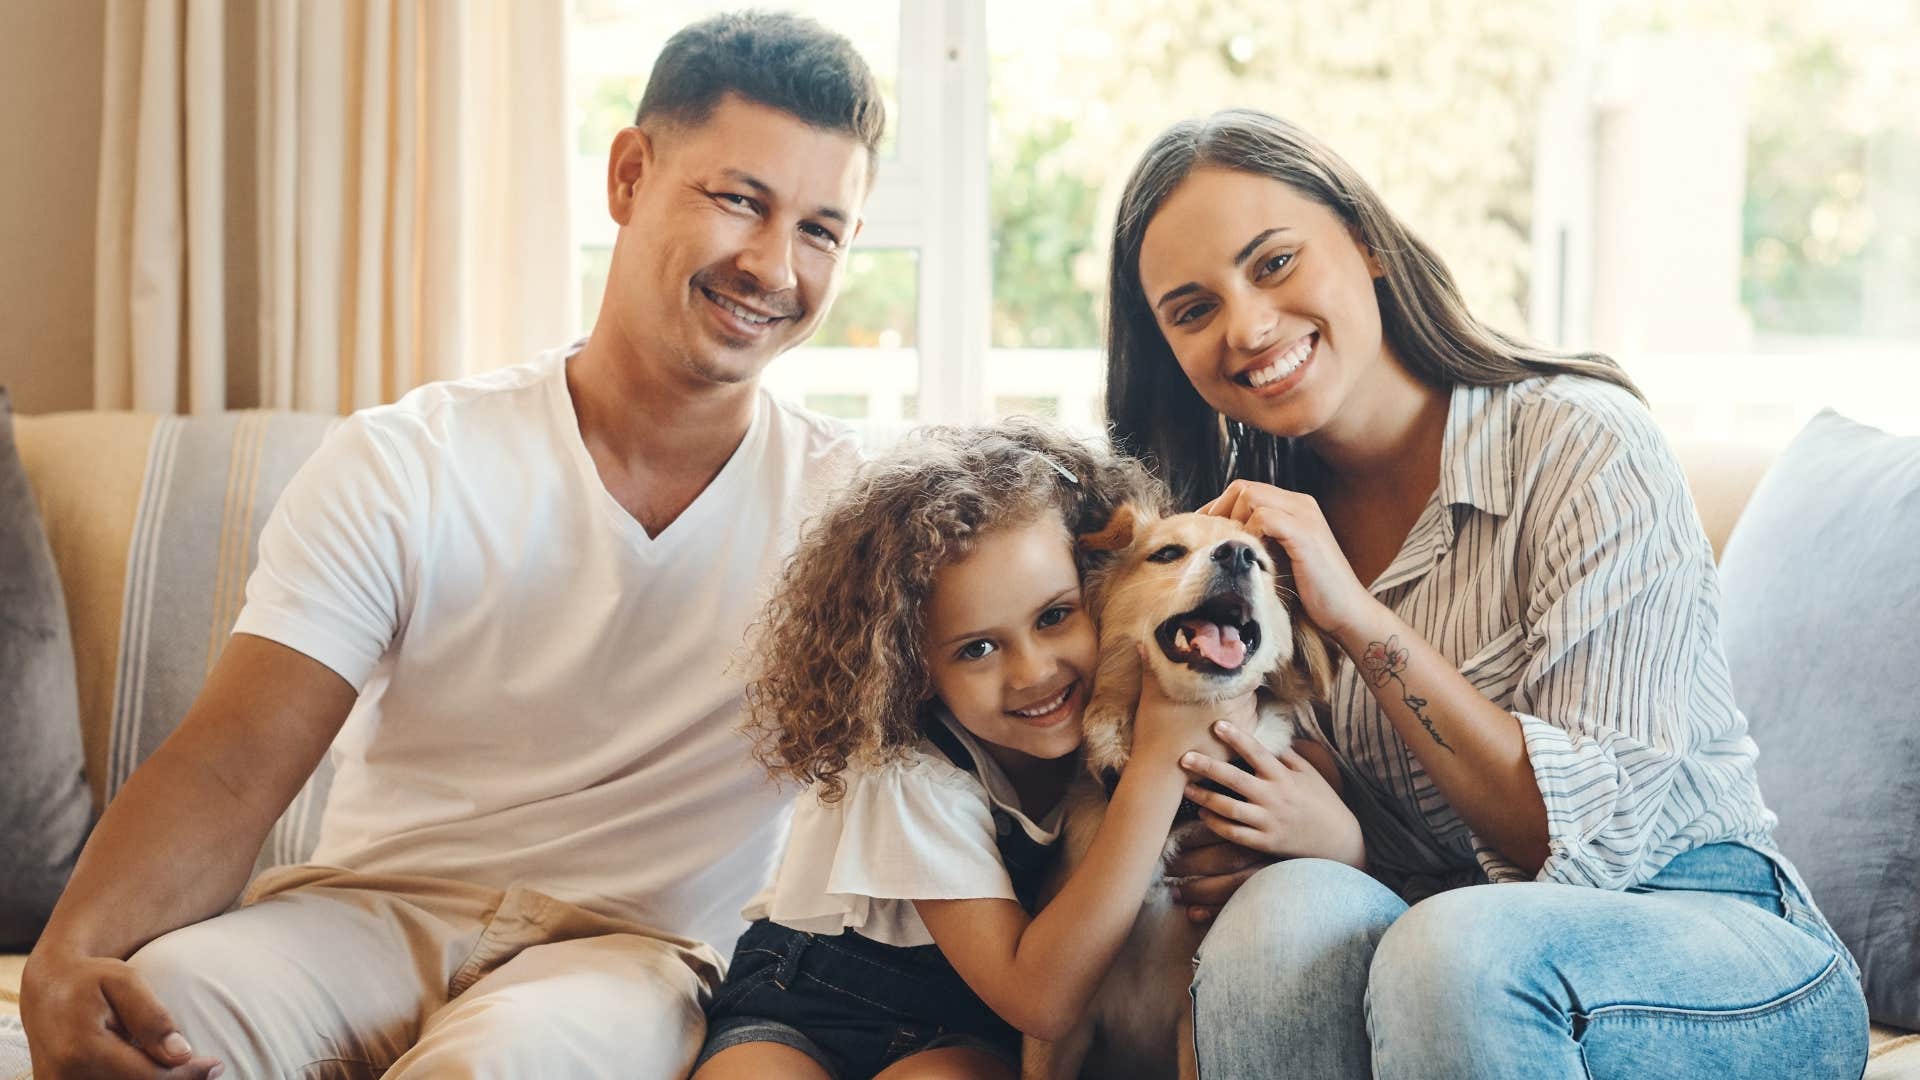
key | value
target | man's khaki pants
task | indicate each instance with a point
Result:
(327, 973)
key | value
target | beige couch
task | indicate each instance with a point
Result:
(98, 478)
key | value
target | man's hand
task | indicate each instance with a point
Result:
(173, 848)
(1207, 874)
(88, 1017)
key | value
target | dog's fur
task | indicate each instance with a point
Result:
(1138, 1023)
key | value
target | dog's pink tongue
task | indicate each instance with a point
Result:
(1220, 644)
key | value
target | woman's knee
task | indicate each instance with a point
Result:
(1294, 912)
(1462, 949)
(1282, 976)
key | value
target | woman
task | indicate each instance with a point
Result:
(1532, 688)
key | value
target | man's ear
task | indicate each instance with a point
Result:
(629, 159)
(1116, 534)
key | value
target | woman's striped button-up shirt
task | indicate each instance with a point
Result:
(1561, 566)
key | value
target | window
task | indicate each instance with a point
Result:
(1430, 113)
(1733, 190)
(1721, 196)
(900, 319)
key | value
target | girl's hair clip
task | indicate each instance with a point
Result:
(1059, 468)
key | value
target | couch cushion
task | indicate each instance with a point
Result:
(1821, 585)
(86, 470)
(157, 541)
(1721, 476)
(14, 1062)
(11, 966)
(45, 807)
(1894, 1055)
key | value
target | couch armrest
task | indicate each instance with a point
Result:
(1723, 476)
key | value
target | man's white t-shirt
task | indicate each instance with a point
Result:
(548, 695)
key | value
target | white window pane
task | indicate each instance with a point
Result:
(614, 42)
(1830, 243)
(864, 361)
(1826, 263)
(1437, 116)
(878, 302)
(595, 261)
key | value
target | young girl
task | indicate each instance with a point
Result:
(1533, 691)
(924, 667)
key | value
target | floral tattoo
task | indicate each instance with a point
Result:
(1386, 660)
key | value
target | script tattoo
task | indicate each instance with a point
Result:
(1385, 660)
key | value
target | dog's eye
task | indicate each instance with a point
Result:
(1170, 553)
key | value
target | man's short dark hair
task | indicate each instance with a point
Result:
(784, 61)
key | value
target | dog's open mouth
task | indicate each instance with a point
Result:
(1214, 638)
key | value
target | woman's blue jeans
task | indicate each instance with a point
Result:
(1718, 968)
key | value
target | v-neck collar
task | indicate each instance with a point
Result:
(704, 505)
(1476, 473)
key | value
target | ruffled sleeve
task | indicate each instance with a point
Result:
(919, 829)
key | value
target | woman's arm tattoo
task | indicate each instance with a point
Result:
(1385, 660)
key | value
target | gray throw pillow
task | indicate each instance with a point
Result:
(1822, 585)
(45, 806)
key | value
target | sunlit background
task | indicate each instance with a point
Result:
(1724, 196)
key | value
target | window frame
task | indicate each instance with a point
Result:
(932, 195)
(933, 198)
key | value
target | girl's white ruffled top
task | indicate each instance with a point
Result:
(920, 828)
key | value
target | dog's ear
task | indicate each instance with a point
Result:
(1311, 672)
(1115, 535)
(1313, 658)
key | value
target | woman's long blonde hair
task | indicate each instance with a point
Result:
(841, 649)
(1155, 412)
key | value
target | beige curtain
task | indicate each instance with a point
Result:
(319, 204)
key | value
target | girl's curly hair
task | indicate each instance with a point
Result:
(840, 650)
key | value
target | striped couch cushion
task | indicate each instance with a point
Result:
(154, 522)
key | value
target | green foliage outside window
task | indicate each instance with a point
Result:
(1831, 226)
(1047, 266)
(1435, 104)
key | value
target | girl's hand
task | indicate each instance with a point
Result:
(1334, 598)
(1163, 728)
(1286, 808)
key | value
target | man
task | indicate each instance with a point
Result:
(516, 600)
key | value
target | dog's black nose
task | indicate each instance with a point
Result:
(1234, 557)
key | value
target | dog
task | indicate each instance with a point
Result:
(1203, 595)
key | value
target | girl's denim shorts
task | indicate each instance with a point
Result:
(852, 1004)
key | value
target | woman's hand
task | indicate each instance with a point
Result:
(1208, 870)
(1285, 807)
(1333, 597)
